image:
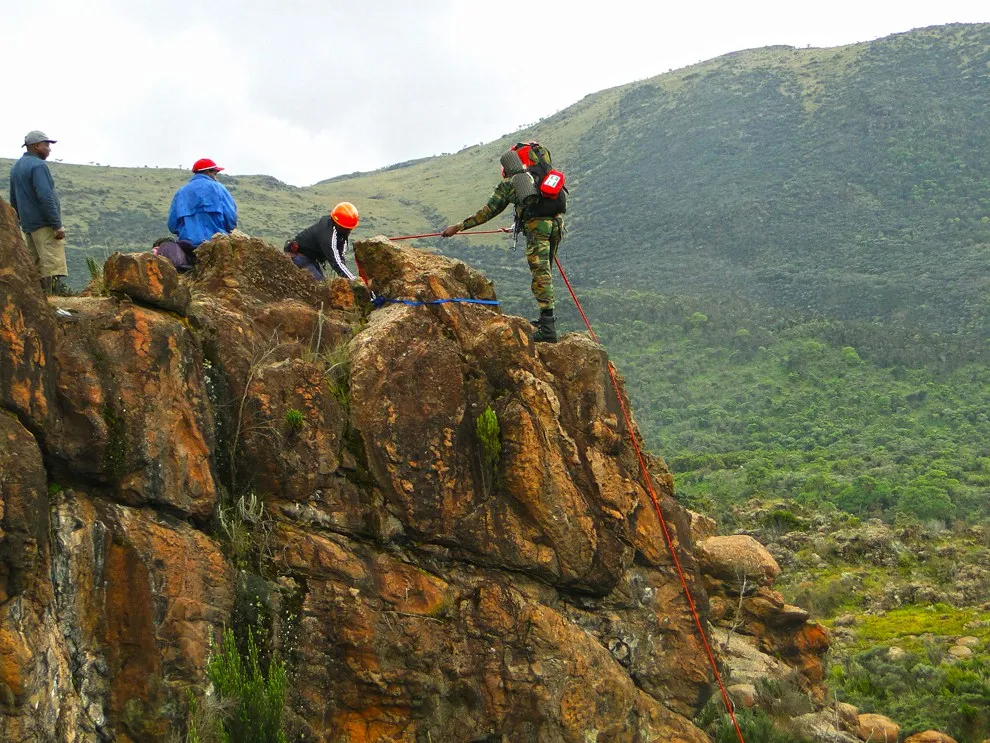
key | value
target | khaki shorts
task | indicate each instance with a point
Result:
(48, 253)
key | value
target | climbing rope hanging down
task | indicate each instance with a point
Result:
(656, 507)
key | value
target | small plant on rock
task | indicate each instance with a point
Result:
(95, 275)
(338, 373)
(294, 420)
(489, 435)
(247, 528)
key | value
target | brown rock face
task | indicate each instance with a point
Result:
(147, 278)
(40, 703)
(140, 597)
(415, 589)
(462, 657)
(133, 393)
(27, 335)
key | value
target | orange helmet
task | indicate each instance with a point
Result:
(345, 214)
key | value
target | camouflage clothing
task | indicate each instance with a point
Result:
(542, 238)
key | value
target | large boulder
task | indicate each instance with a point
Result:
(415, 275)
(930, 736)
(738, 557)
(147, 278)
(821, 727)
(878, 729)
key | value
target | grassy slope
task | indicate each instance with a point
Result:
(852, 181)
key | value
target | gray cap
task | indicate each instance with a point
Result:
(35, 137)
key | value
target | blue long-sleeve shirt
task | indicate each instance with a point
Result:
(32, 194)
(200, 209)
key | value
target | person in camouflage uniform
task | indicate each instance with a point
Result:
(542, 238)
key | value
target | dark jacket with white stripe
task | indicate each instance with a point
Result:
(325, 242)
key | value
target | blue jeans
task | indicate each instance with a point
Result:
(312, 266)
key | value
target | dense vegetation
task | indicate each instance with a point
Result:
(745, 402)
(919, 690)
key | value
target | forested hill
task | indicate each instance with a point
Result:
(855, 181)
(852, 181)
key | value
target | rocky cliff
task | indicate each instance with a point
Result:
(245, 447)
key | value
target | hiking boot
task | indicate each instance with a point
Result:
(546, 328)
(536, 323)
(59, 288)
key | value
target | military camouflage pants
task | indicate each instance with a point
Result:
(542, 239)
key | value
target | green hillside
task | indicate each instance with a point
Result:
(852, 181)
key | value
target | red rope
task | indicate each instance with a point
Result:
(437, 234)
(656, 507)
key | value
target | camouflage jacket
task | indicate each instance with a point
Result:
(503, 195)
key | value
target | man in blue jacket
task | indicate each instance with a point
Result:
(33, 196)
(203, 207)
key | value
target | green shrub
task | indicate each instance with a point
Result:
(257, 697)
(697, 320)
(919, 692)
(783, 521)
(487, 429)
(823, 599)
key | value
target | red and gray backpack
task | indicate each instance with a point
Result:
(540, 188)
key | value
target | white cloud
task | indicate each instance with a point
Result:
(305, 90)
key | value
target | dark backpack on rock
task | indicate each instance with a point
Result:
(180, 253)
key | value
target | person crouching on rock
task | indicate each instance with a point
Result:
(325, 243)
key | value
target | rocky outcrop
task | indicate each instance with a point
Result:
(285, 458)
(147, 278)
(775, 640)
(929, 736)
(878, 728)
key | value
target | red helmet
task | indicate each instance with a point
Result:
(345, 214)
(204, 164)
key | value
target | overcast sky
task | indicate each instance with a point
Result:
(308, 89)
